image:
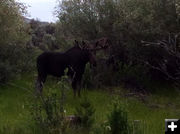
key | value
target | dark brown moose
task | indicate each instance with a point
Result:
(75, 59)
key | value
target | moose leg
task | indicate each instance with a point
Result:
(79, 85)
(79, 88)
(39, 83)
(74, 86)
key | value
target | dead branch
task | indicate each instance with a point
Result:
(171, 47)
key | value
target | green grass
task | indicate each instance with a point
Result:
(15, 98)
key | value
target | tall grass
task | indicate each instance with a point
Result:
(15, 114)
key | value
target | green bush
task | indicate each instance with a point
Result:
(16, 60)
(5, 72)
(15, 56)
(134, 77)
(126, 23)
(47, 114)
(86, 113)
(88, 79)
(118, 120)
(48, 110)
(10, 130)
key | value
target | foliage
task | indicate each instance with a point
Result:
(116, 18)
(48, 111)
(168, 61)
(47, 115)
(133, 77)
(124, 22)
(118, 120)
(88, 80)
(43, 35)
(16, 59)
(86, 113)
(15, 113)
(138, 127)
(12, 25)
(15, 56)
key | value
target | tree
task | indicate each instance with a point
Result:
(13, 38)
(125, 22)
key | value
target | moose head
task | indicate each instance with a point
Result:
(92, 47)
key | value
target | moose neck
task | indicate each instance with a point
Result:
(77, 55)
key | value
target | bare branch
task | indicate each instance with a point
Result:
(171, 48)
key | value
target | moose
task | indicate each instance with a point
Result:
(75, 59)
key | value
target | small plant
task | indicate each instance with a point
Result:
(103, 128)
(48, 111)
(138, 127)
(9, 129)
(118, 120)
(88, 79)
(85, 111)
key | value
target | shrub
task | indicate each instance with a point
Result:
(133, 77)
(15, 60)
(138, 127)
(86, 113)
(46, 114)
(125, 22)
(88, 80)
(5, 71)
(48, 111)
(118, 120)
(15, 57)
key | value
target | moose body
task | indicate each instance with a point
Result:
(51, 63)
(54, 63)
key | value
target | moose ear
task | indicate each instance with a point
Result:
(97, 42)
(83, 43)
(75, 41)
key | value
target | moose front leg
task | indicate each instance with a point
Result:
(79, 89)
(76, 84)
(79, 86)
(38, 86)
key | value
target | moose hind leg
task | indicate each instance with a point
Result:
(39, 84)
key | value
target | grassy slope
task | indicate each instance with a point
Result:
(14, 113)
